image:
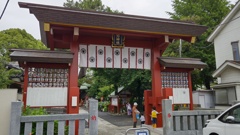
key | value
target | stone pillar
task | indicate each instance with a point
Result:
(93, 117)
(16, 112)
(167, 116)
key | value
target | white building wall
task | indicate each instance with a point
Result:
(7, 96)
(195, 98)
(208, 96)
(230, 75)
(238, 92)
(209, 100)
(222, 42)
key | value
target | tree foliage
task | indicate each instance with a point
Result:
(14, 39)
(95, 5)
(133, 80)
(204, 12)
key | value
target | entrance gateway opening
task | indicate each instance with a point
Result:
(104, 40)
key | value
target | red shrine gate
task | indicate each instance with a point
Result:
(87, 37)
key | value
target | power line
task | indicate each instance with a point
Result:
(4, 9)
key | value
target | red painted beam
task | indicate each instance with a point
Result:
(108, 41)
(47, 65)
(167, 69)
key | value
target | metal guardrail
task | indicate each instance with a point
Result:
(140, 129)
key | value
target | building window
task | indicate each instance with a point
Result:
(235, 51)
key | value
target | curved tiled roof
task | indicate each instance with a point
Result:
(107, 21)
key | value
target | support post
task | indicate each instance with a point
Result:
(93, 117)
(147, 106)
(16, 112)
(167, 117)
(73, 89)
(156, 77)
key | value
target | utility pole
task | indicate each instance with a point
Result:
(180, 48)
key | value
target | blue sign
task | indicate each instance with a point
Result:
(141, 132)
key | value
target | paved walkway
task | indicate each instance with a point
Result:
(107, 128)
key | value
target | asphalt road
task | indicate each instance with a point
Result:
(116, 119)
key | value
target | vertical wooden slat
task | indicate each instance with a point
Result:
(185, 123)
(71, 127)
(50, 127)
(81, 127)
(39, 130)
(177, 123)
(192, 122)
(28, 128)
(61, 127)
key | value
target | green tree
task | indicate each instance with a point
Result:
(95, 5)
(136, 81)
(204, 12)
(109, 80)
(14, 39)
(106, 77)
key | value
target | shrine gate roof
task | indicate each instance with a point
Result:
(45, 56)
(111, 22)
(181, 62)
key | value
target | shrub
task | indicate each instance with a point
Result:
(103, 106)
(38, 111)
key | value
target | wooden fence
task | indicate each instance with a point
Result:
(62, 119)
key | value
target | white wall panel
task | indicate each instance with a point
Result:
(100, 56)
(92, 56)
(47, 96)
(140, 58)
(181, 96)
(125, 58)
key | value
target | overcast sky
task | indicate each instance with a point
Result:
(16, 17)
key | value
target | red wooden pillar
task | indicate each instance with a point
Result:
(147, 106)
(73, 89)
(156, 82)
(190, 90)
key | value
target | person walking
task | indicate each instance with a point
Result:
(134, 114)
